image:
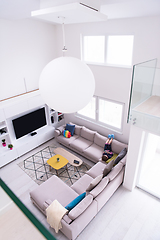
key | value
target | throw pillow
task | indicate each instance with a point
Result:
(66, 133)
(108, 168)
(70, 128)
(120, 156)
(72, 204)
(112, 158)
(81, 207)
(94, 183)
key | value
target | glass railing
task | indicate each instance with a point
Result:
(145, 97)
(28, 219)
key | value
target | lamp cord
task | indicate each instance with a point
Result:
(64, 44)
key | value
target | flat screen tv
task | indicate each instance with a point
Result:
(29, 122)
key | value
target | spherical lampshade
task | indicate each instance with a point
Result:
(66, 84)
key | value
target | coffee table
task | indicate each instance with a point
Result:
(52, 162)
(69, 156)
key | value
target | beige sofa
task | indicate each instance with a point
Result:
(80, 216)
(87, 143)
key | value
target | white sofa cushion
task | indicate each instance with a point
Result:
(80, 144)
(94, 183)
(99, 188)
(82, 183)
(80, 207)
(94, 152)
(87, 134)
(96, 170)
(100, 140)
(117, 146)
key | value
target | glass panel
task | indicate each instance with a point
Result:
(22, 222)
(110, 113)
(94, 49)
(90, 110)
(142, 84)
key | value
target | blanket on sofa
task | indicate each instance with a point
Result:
(55, 213)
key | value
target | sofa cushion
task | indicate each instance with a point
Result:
(94, 183)
(66, 141)
(115, 171)
(100, 140)
(94, 152)
(75, 201)
(99, 188)
(96, 170)
(117, 146)
(123, 160)
(77, 129)
(66, 133)
(108, 168)
(87, 134)
(112, 158)
(80, 207)
(81, 185)
(80, 144)
(120, 156)
(70, 128)
(53, 188)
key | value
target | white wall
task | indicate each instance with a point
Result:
(112, 82)
(26, 46)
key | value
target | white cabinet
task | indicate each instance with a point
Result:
(7, 156)
(17, 107)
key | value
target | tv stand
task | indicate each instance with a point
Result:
(20, 105)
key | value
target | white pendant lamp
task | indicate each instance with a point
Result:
(66, 84)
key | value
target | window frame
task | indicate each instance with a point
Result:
(105, 50)
(96, 120)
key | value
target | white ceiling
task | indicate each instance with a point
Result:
(21, 9)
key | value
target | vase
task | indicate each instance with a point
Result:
(4, 144)
(11, 148)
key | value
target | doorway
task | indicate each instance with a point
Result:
(149, 171)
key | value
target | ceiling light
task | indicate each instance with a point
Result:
(66, 83)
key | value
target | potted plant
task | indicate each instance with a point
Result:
(3, 142)
(10, 146)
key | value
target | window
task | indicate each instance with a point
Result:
(110, 50)
(104, 112)
(119, 50)
(94, 48)
(90, 109)
(110, 113)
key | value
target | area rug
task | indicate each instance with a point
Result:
(37, 168)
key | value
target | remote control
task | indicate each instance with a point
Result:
(76, 161)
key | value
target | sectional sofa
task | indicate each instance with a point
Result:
(86, 142)
(100, 182)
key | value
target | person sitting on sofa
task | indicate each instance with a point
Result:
(107, 154)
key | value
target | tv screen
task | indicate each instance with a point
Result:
(29, 122)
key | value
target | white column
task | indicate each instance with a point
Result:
(133, 157)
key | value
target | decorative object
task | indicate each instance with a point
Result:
(57, 159)
(77, 78)
(38, 170)
(66, 133)
(3, 142)
(10, 146)
(72, 80)
(3, 130)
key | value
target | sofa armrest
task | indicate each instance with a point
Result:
(46, 204)
(59, 131)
